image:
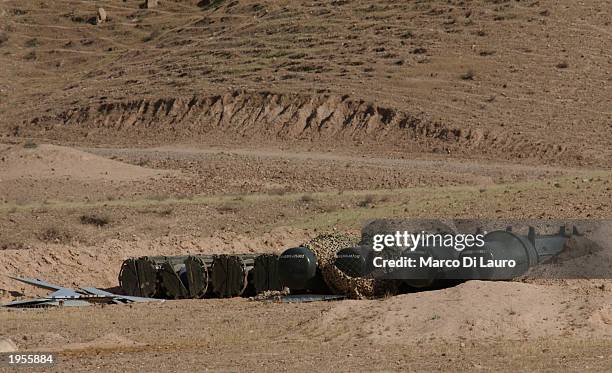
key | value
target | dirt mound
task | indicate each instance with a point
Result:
(58, 162)
(266, 116)
(473, 310)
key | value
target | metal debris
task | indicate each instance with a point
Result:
(66, 297)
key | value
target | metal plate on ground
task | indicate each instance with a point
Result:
(306, 298)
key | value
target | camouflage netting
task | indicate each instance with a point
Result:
(325, 248)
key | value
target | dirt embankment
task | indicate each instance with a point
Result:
(268, 117)
(477, 310)
(42, 172)
(45, 161)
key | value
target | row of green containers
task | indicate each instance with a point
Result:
(299, 268)
(200, 276)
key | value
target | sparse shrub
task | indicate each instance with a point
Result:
(307, 198)
(29, 144)
(367, 201)
(279, 191)
(13, 246)
(297, 56)
(31, 43)
(30, 56)
(53, 234)
(77, 18)
(159, 197)
(209, 4)
(227, 208)
(468, 75)
(98, 221)
(327, 208)
(153, 35)
(165, 212)
(143, 162)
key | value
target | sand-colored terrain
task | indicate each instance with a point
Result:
(254, 126)
(485, 326)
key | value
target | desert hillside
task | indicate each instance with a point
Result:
(496, 79)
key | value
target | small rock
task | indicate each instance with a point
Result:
(101, 15)
(150, 4)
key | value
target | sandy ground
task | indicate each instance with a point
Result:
(483, 326)
(253, 126)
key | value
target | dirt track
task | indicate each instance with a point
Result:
(253, 126)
